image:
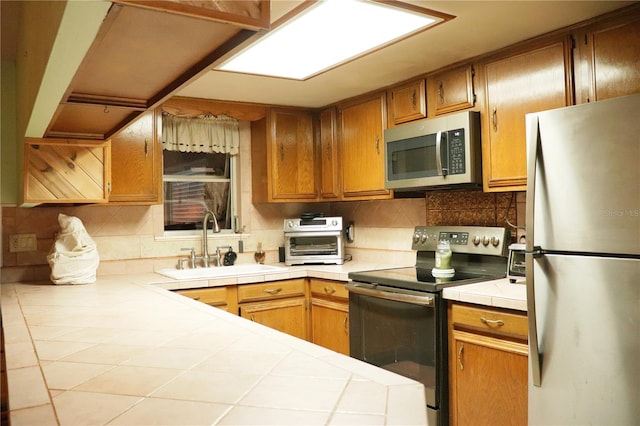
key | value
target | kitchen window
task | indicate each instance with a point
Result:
(199, 169)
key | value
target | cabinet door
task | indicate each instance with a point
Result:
(328, 155)
(608, 59)
(66, 171)
(136, 162)
(407, 103)
(533, 81)
(490, 384)
(330, 324)
(292, 155)
(451, 90)
(362, 149)
(286, 315)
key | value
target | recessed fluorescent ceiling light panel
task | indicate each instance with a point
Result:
(325, 35)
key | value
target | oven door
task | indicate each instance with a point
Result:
(401, 331)
(313, 247)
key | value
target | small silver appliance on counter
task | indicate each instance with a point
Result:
(313, 239)
(516, 265)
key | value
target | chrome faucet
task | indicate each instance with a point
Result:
(208, 215)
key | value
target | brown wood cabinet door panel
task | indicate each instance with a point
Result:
(136, 162)
(292, 154)
(66, 171)
(616, 61)
(452, 90)
(286, 315)
(328, 155)
(362, 149)
(521, 84)
(407, 103)
(330, 325)
(490, 386)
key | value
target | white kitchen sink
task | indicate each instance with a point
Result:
(219, 272)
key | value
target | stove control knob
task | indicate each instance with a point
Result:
(424, 237)
(416, 237)
(495, 241)
(485, 241)
(476, 240)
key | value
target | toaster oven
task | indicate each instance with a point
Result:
(313, 240)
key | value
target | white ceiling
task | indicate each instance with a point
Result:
(479, 27)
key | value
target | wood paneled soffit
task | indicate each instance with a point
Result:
(141, 56)
(194, 107)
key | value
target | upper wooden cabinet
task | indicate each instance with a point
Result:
(535, 80)
(361, 127)
(328, 158)
(136, 162)
(66, 171)
(282, 157)
(451, 90)
(607, 59)
(407, 103)
(145, 51)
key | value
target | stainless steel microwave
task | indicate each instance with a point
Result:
(434, 152)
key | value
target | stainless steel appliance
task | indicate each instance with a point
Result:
(397, 317)
(583, 263)
(516, 263)
(313, 239)
(434, 152)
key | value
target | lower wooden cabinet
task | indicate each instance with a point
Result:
(281, 305)
(330, 315)
(313, 309)
(223, 297)
(487, 366)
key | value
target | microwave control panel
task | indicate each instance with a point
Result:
(455, 139)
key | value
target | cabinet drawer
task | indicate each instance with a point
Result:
(492, 321)
(271, 290)
(211, 296)
(328, 288)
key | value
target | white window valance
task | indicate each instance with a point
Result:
(206, 133)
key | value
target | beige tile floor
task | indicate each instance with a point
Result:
(120, 352)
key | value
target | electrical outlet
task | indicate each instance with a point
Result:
(22, 242)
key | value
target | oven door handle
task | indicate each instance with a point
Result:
(389, 295)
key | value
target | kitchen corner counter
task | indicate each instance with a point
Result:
(121, 351)
(497, 293)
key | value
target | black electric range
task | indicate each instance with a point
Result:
(398, 317)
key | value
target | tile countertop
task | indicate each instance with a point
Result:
(497, 293)
(121, 351)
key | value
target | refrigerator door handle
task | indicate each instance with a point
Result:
(533, 149)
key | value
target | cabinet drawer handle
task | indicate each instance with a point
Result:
(329, 290)
(196, 298)
(489, 322)
(460, 356)
(273, 290)
(252, 318)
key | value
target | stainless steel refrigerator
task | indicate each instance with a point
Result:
(583, 263)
